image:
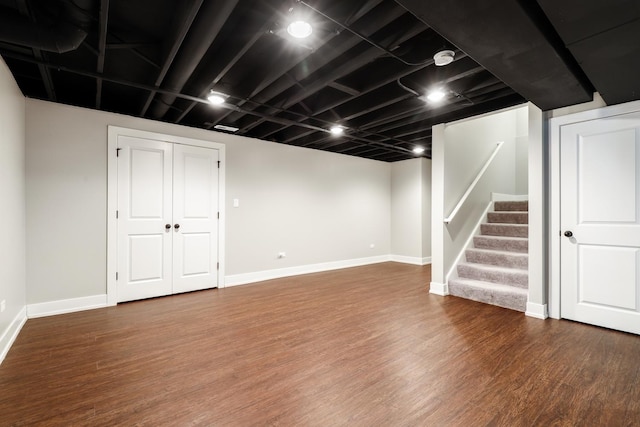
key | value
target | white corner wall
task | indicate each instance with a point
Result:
(426, 209)
(522, 151)
(538, 206)
(12, 214)
(320, 208)
(411, 211)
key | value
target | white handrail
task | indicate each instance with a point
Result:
(455, 210)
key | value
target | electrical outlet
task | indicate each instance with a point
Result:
(373, 245)
(3, 305)
(282, 254)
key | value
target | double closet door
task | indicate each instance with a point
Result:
(167, 218)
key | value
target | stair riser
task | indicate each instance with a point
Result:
(519, 279)
(500, 260)
(513, 302)
(519, 206)
(520, 246)
(504, 230)
(508, 217)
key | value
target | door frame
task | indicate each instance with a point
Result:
(555, 127)
(112, 198)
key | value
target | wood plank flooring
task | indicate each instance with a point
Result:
(366, 346)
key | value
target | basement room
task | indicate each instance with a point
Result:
(319, 213)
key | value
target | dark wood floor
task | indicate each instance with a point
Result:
(366, 346)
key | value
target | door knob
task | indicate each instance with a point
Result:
(568, 234)
(176, 226)
(167, 226)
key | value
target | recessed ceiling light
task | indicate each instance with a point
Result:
(299, 29)
(337, 130)
(436, 95)
(444, 57)
(418, 150)
(216, 98)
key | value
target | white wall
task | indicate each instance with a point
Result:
(460, 150)
(594, 104)
(318, 207)
(411, 211)
(12, 211)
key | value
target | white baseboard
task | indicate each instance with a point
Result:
(411, 259)
(539, 311)
(259, 276)
(11, 333)
(52, 308)
(441, 289)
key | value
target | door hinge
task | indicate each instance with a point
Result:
(217, 266)
(116, 214)
(116, 275)
(218, 164)
(118, 152)
(218, 215)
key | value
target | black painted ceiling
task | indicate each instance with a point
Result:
(366, 67)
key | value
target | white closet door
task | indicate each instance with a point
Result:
(195, 218)
(144, 211)
(600, 220)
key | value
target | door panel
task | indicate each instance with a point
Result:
(600, 191)
(144, 207)
(147, 192)
(195, 193)
(607, 177)
(197, 253)
(610, 265)
(146, 257)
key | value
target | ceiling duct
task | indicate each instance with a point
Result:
(64, 35)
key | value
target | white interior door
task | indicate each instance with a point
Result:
(600, 220)
(195, 213)
(144, 210)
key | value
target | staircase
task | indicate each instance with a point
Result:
(495, 271)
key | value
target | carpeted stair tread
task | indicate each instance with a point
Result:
(499, 258)
(502, 243)
(510, 230)
(494, 274)
(491, 293)
(521, 205)
(508, 217)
